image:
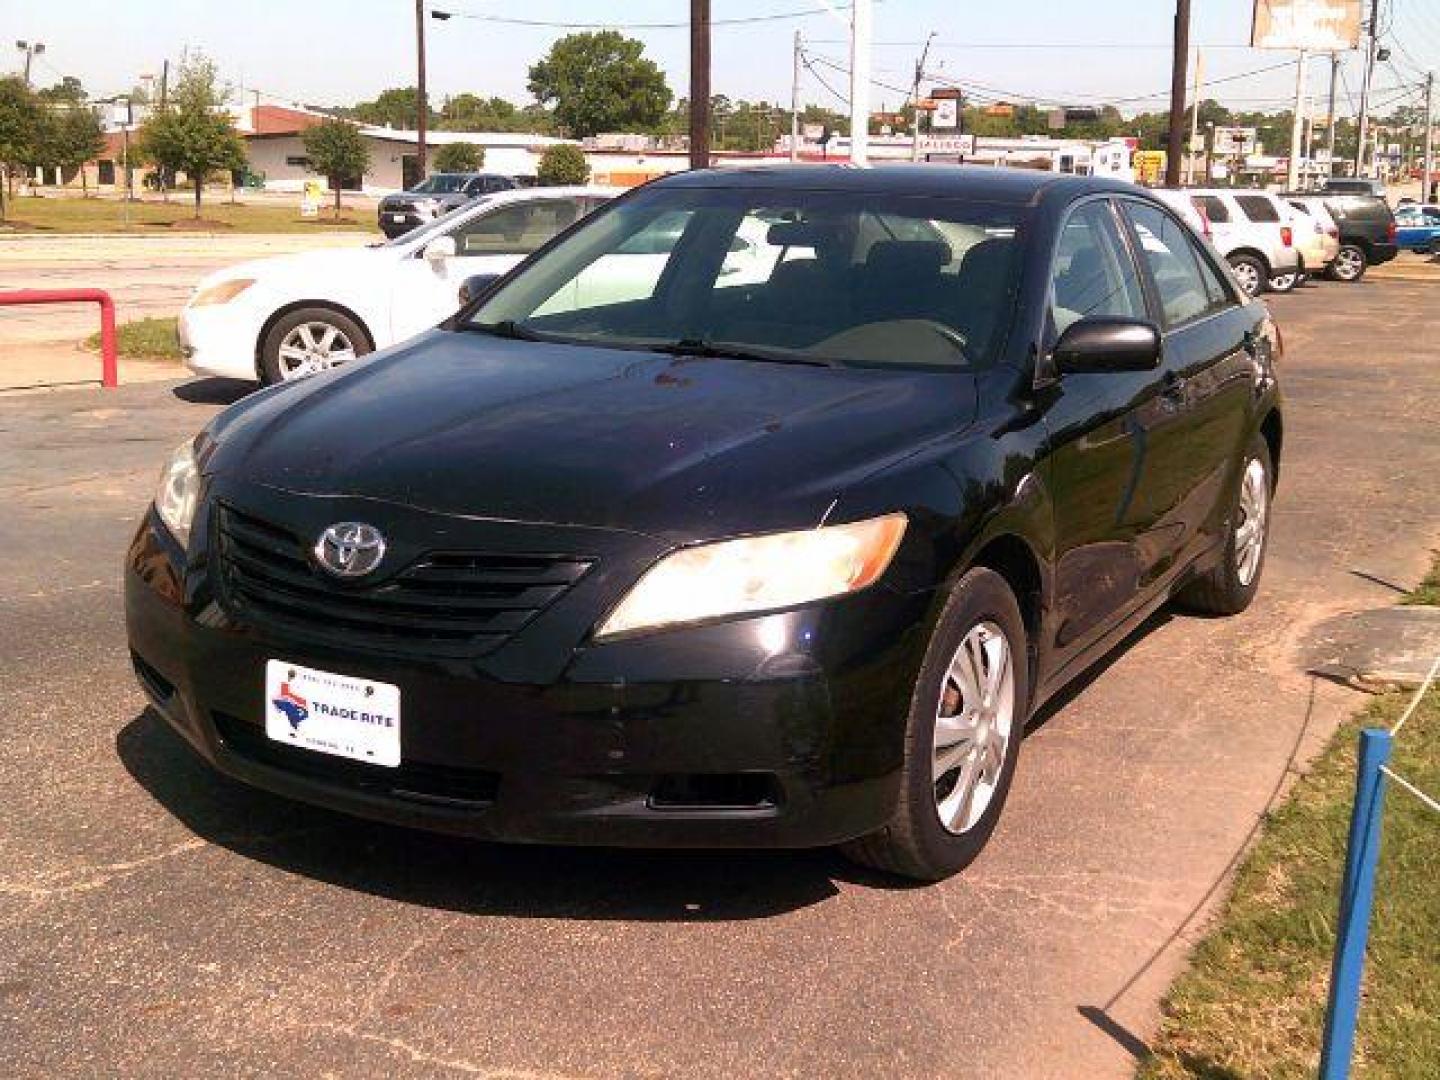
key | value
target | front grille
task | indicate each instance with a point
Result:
(412, 780)
(450, 603)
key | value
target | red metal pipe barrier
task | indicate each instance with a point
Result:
(109, 372)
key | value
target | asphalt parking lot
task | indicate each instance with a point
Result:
(157, 920)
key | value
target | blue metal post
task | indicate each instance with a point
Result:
(1357, 892)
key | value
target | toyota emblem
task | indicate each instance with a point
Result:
(350, 549)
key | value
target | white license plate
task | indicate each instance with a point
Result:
(332, 714)
(397, 217)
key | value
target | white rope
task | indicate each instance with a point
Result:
(1426, 799)
(1415, 701)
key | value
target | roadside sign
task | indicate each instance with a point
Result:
(963, 145)
(1318, 25)
(1234, 140)
(946, 116)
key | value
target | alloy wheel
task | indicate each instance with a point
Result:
(311, 347)
(1248, 277)
(1284, 282)
(1348, 264)
(974, 723)
(1250, 528)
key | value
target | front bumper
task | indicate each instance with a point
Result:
(778, 731)
(220, 339)
(396, 221)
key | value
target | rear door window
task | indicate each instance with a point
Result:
(1258, 208)
(1175, 265)
(1213, 207)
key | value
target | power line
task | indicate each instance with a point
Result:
(550, 24)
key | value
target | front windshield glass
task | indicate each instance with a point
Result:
(808, 276)
(440, 184)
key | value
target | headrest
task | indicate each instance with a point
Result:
(907, 256)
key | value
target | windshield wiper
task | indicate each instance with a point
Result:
(725, 350)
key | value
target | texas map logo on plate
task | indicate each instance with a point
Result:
(295, 707)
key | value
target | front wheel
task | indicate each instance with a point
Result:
(1230, 586)
(307, 341)
(1249, 273)
(1350, 264)
(1283, 283)
(962, 736)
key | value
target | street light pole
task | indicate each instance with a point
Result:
(31, 49)
(1297, 125)
(915, 99)
(1426, 183)
(1370, 51)
(795, 103)
(422, 104)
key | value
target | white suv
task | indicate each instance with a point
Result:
(1252, 230)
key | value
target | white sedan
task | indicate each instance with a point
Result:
(284, 317)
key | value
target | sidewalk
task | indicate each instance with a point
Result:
(59, 364)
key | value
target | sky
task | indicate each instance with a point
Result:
(331, 52)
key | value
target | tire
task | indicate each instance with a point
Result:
(285, 355)
(1250, 274)
(1229, 587)
(1283, 283)
(980, 614)
(1350, 264)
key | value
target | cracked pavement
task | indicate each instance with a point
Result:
(156, 920)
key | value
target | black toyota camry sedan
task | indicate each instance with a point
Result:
(762, 508)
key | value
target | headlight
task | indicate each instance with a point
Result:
(221, 292)
(179, 492)
(758, 573)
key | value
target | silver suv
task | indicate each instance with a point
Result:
(1253, 231)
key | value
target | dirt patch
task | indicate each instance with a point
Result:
(198, 224)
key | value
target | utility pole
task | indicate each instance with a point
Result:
(699, 84)
(164, 83)
(1330, 110)
(422, 103)
(1181, 57)
(795, 103)
(1297, 125)
(1426, 183)
(1365, 87)
(860, 13)
(915, 99)
(1194, 118)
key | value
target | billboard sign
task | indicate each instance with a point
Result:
(1234, 140)
(1318, 25)
(963, 145)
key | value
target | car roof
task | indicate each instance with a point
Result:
(981, 182)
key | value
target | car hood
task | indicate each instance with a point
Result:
(311, 267)
(684, 448)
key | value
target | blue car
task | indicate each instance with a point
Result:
(1418, 229)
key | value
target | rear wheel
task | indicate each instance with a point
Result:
(1283, 283)
(310, 340)
(1249, 273)
(1228, 588)
(1349, 264)
(962, 736)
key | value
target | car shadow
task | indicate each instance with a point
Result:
(1078, 685)
(213, 391)
(474, 877)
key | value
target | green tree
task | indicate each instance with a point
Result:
(601, 82)
(397, 107)
(20, 121)
(469, 112)
(563, 163)
(193, 133)
(459, 157)
(67, 91)
(337, 151)
(76, 136)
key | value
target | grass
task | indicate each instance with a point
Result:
(1429, 589)
(145, 339)
(60, 214)
(1252, 1003)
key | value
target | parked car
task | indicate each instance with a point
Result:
(434, 197)
(1418, 229)
(782, 562)
(1317, 237)
(1352, 185)
(292, 315)
(1253, 232)
(1367, 234)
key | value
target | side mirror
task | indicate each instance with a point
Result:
(1108, 344)
(439, 249)
(474, 285)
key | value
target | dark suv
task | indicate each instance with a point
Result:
(1367, 234)
(435, 196)
(669, 540)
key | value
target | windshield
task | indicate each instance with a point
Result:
(441, 184)
(807, 276)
